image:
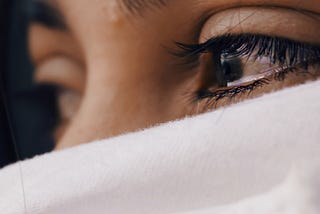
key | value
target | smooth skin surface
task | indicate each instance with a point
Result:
(116, 69)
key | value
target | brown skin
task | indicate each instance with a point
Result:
(118, 70)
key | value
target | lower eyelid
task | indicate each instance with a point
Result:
(215, 98)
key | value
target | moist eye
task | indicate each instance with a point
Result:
(230, 70)
(242, 63)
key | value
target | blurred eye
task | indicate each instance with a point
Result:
(58, 62)
(69, 78)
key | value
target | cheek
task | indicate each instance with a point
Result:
(126, 99)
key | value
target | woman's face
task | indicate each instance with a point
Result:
(124, 65)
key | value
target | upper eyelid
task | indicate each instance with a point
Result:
(189, 54)
(43, 13)
(194, 49)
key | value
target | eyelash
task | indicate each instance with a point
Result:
(281, 51)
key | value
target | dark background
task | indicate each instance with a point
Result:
(31, 110)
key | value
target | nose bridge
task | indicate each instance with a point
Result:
(115, 95)
(112, 104)
(120, 86)
(115, 49)
(121, 92)
(117, 72)
(117, 65)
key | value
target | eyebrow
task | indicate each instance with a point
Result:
(139, 6)
(43, 13)
(40, 11)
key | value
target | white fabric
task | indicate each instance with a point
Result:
(259, 156)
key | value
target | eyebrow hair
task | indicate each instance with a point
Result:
(43, 13)
(139, 6)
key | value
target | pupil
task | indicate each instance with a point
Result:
(230, 71)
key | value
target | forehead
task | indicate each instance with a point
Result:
(132, 6)
(140, 6)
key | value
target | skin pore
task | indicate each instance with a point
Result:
(117, 67)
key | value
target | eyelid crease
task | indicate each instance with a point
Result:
(62, 71)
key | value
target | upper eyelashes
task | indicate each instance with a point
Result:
(280, 51)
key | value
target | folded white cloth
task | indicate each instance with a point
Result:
(259, 156)
(298, 194)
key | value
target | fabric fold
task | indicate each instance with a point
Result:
(213, 161)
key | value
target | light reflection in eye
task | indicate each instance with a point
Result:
(69, 102)
(246, 62)
(256, 69)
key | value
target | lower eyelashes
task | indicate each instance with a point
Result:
(249, 64)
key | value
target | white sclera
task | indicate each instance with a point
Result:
(255, 69)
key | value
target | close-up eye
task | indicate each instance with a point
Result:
(241, 64)
(243, 61)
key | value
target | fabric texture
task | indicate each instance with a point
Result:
(259, 156)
